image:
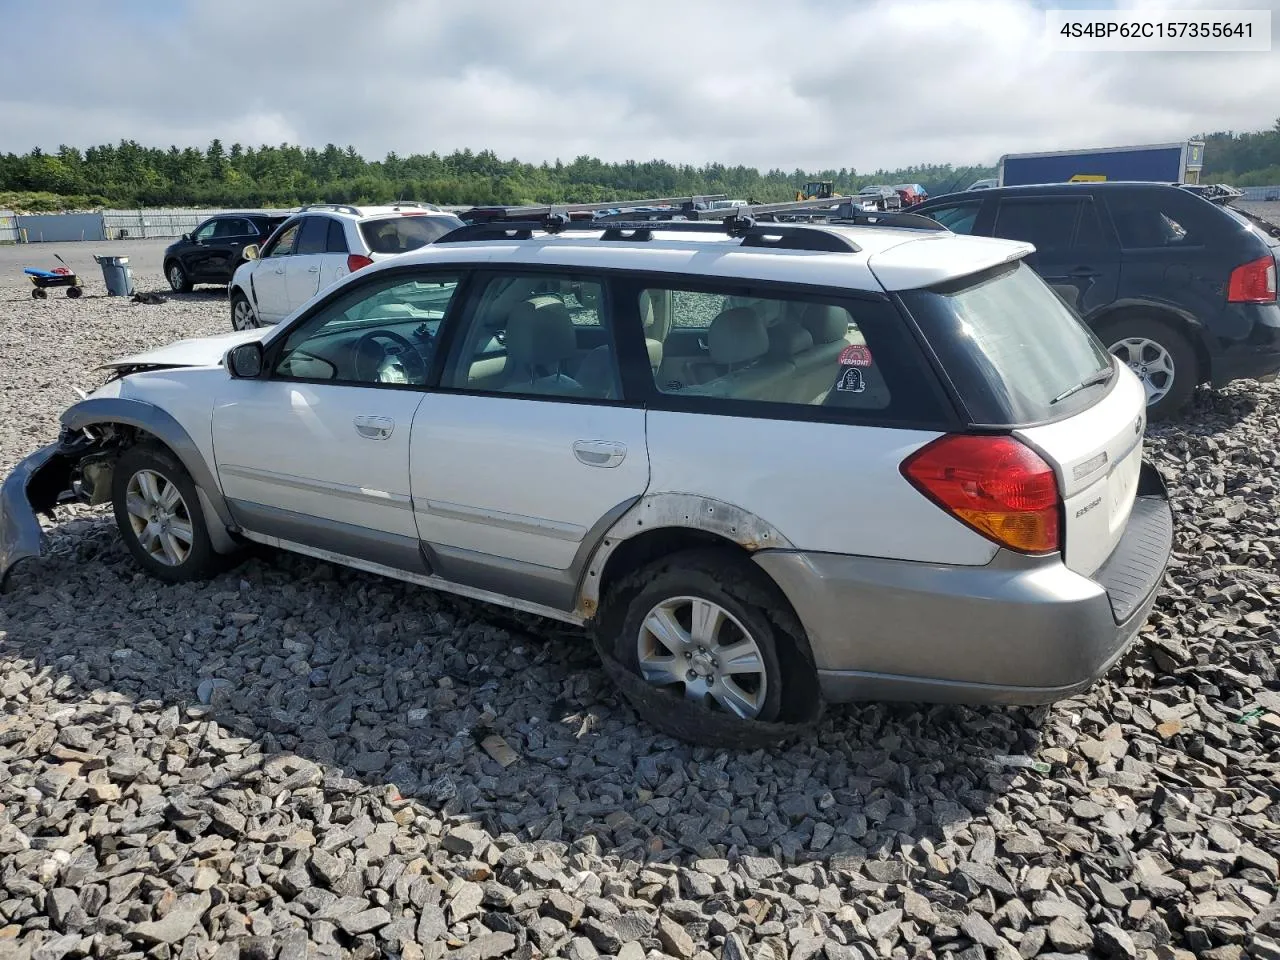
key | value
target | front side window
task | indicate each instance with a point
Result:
(959, 218)
(282, 246)
(766, 350)
(382, 332)
(537, 335)
(206, 231)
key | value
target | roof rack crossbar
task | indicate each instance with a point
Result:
(769, 236)
(487, 214)
(414, 203)
(854, 216)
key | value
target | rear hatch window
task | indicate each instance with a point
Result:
(402, 233)
(1014, 351)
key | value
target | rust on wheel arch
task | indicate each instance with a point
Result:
(676, 511)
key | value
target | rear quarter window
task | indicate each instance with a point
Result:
(400, 234)
(1164, 219)
(1012, 349)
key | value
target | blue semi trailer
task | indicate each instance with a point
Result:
(1162, 162)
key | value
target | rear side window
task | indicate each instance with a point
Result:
(1049, 224)
(400, 234)
(737, 351)
(1013, 350)
(337, 239)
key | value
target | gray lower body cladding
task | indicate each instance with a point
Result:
(1019, 630)
(34, 486)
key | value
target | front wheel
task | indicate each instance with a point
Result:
(242, 315)
(715, 645)
(157, 509)
(1161, 357)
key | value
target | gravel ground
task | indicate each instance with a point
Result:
(336, 798)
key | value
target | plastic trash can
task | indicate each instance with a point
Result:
(116, 275)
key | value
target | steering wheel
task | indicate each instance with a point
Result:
(399, 350)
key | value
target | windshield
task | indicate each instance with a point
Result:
(1014, 350)
(400, 233)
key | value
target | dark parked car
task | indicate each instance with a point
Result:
(1180, 289)
(211, 252)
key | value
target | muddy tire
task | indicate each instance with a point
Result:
(157, 509)
(1161, 356)
(706, 650)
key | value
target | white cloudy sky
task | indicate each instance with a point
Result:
(771, 83)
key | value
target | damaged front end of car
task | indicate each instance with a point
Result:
(75, 469)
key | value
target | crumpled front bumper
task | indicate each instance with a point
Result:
(34, 485)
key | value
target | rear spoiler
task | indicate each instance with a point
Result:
(1220, 193)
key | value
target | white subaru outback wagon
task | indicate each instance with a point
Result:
(771, 465)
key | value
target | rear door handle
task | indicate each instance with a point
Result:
(1084, 272)
(279, 269)
(599, 453)
(313, 269)
(374, 428)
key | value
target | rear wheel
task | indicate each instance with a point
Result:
(242, 315)
(157, 509)
(177, 276)
(713, 644)
(74, 292)
(1160, 356)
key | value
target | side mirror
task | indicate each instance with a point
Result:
(251, 252)
(186, 237)
(245, 361)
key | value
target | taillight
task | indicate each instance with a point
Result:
(357, 260)
(996, 485)
(1253, 282)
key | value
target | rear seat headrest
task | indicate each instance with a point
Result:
(825, 323)
(737, 336)
(786, 339)
(540, 333)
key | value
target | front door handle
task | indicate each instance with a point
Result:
(280, 270)
(313, 269)
(374, 428)
(599, 453)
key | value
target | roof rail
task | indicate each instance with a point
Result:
(414, 203)
(337, 207)
(853, 215)
(770, 236)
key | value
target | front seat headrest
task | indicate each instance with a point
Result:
(540, 333)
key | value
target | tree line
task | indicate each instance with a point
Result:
(128, 174)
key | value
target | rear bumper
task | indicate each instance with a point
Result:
(1020, 630)
(1255, 352)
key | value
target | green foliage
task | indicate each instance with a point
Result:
(128, 174)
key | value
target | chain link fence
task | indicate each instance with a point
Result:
(149, 223)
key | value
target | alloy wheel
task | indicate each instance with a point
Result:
(159, 517)
(176, 277)
(242, 316)
(1150, 361)
(697, 645)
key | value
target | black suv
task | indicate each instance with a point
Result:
(212, 251)
(1181, 289)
